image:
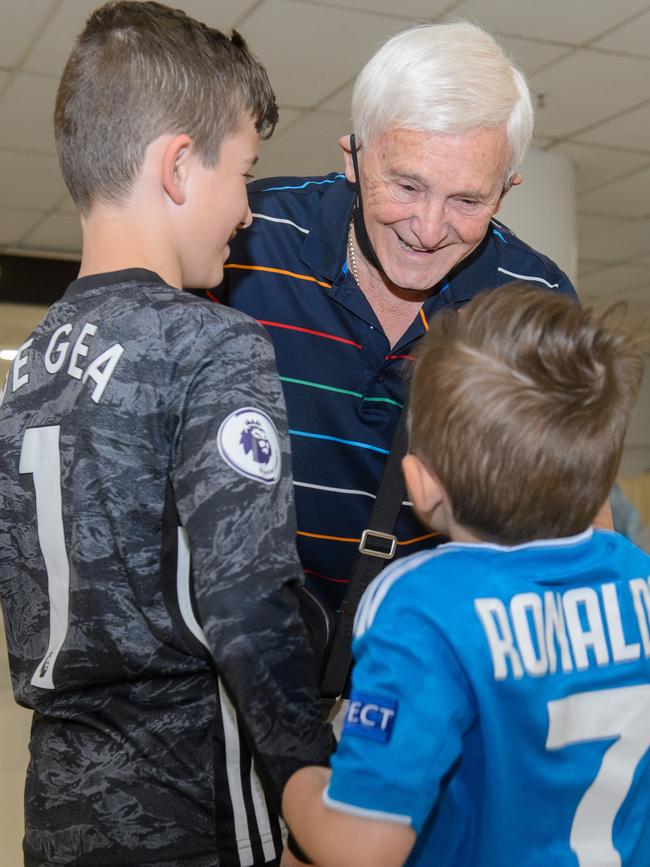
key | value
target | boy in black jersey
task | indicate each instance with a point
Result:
(147, 557)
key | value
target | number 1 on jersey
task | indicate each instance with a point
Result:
(40, 457)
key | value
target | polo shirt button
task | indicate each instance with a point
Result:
(381, 377)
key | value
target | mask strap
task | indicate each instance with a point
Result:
(365, 245)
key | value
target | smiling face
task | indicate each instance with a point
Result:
(428, 199)
(217, 206)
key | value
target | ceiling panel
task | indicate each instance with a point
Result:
(597, 166)
(26, 113)
(585, 88)
(588, 266)
(287, 117)
(574, 22)
(341, 101)
(30, 180)
(66, 205)
(224, 14)
(53, 47)
(20, 23)
(309, 147)
(14, 223)
(304, 70)
(425, 10)
(530, 55)
(590, 226)
(51, 50)
(629, 130)
(626, 198)
(59, 233)
(631, 38)
(614, 241)
(612, 282)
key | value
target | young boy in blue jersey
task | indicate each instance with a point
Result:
(500, 707)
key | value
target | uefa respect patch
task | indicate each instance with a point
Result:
(248, 441)
(370, 716)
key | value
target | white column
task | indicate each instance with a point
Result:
(542, 209)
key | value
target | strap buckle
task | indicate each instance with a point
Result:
(369, 535)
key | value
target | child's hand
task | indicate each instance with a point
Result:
(288, 859)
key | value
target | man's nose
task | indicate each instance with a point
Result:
(431, 226)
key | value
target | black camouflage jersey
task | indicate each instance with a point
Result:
(147, 566)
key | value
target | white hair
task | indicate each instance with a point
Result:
(443, 78)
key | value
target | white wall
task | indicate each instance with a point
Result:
(542, 209)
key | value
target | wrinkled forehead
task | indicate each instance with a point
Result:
(482, 154)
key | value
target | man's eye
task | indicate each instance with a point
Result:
(408, 188)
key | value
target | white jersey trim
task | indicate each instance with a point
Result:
(280, 220)
(230, 730)
(231, 749)
(538, 543)
(183, 587)
(376, 592)
(262, 816)
(347, 491)
(341, 807)
(529, 277)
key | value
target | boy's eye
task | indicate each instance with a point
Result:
(249, 176)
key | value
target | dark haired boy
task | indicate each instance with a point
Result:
(500, 706)
(147, 555)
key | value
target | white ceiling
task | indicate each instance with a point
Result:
(588, 60)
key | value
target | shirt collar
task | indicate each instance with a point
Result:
(324, 249)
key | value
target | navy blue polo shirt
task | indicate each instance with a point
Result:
(344, 384)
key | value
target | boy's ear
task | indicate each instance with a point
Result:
(424, 488)
(175, 167)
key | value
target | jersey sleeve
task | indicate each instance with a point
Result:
(233, 490)
(410, 705)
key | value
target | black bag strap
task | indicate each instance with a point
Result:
(377, 546)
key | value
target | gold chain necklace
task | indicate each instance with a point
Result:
(352, 259)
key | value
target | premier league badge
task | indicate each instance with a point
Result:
(248, 442)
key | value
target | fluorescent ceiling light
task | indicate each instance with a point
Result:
(8, 354)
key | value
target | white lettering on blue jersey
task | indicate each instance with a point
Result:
(496, 626)
(583, 624)
(641, 599)
(370, 716)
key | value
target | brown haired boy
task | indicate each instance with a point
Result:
(147, 558)
(501, 693)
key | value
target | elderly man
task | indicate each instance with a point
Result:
(346, 270)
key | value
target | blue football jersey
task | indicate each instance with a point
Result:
(501, 704)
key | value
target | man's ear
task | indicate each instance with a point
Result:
(515, 180)
(423, 487)
(175, 166)
(348, 165)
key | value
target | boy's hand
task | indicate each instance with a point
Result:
(288, 859)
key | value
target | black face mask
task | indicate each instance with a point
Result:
(361, 235)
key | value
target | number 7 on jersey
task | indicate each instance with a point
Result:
(624, 714)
